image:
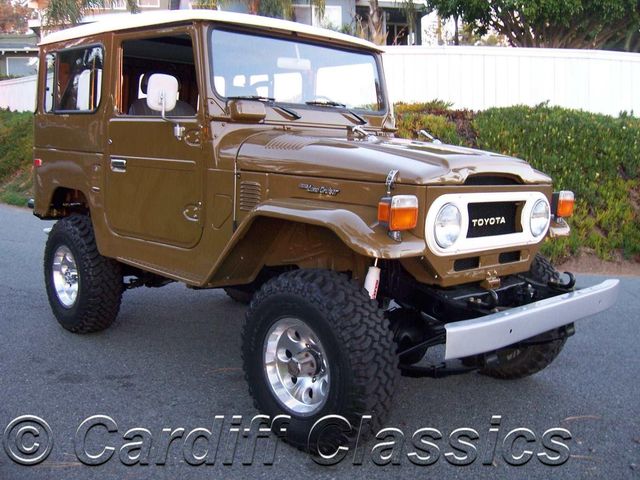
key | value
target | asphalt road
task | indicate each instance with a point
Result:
(172, 361)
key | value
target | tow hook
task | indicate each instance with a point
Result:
(564, 286)
(490, 304)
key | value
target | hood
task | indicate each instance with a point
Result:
(371, 159)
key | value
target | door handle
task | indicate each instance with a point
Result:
(118, 165)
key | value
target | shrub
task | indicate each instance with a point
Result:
(596, 156)
(16, 152)
(16, 141)
(437, 126)
(412, 117)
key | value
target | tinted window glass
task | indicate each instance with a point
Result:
(78, 79)
(292, 71)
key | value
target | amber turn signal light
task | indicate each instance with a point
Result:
(399, 212)
(562, 203)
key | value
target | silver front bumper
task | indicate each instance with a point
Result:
(491, 332)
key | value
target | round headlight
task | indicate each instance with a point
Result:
(540, 216)
(448, 225)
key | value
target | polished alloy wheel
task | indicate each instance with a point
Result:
(65, 276)
(296, 366)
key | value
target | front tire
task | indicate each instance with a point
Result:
(319, 331)
(84, 288)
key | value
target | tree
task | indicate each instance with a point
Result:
(629, 43)
(450, 9)
(375, 20)
(70, 12)
(13, 17)
(375, 23)
(548, 23)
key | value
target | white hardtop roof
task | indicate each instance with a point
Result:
(138, 20)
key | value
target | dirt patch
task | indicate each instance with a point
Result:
(589, 263)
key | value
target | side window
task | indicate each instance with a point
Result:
(78, 80)
(50, 60)
(169, 55)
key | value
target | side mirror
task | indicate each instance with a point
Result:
(162, 92)
(162, 95)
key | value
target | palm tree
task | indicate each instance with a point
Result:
(375, 24)
(70, 12)
(63, 13)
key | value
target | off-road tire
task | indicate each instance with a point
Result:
(520, 362)
(100, 284)
(355, 335)
(542, 271)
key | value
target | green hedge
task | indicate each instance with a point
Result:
(596, 156)
(16, 145)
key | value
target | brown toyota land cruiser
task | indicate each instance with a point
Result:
(256, 155)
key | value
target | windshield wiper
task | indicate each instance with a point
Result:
(357, 117)
(292, 113)
(331, 103)
(260, 98)
(325, 103)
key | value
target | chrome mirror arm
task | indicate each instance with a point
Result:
(178, 130)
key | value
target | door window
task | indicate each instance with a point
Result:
(170, 55)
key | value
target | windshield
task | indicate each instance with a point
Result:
(294, 72)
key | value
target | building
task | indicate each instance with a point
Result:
(348, 16)
(18, 55)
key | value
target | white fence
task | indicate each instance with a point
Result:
(18, 93)
(481, 77)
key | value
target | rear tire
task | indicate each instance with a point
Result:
(520, 362)
(84, 288)
(350, 338)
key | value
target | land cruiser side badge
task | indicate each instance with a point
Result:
(319, 189)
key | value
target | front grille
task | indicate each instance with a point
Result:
(490, 180)
(491, 218)
(466, 264)
(509, 257)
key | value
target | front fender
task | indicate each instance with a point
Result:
(347, 222)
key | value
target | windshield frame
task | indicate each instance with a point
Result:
(377, 58)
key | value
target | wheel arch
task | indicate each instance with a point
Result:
(275, 243)
(62, 202)
(307, 234)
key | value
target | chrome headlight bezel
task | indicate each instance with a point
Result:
(446, 231)
(539, 218)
